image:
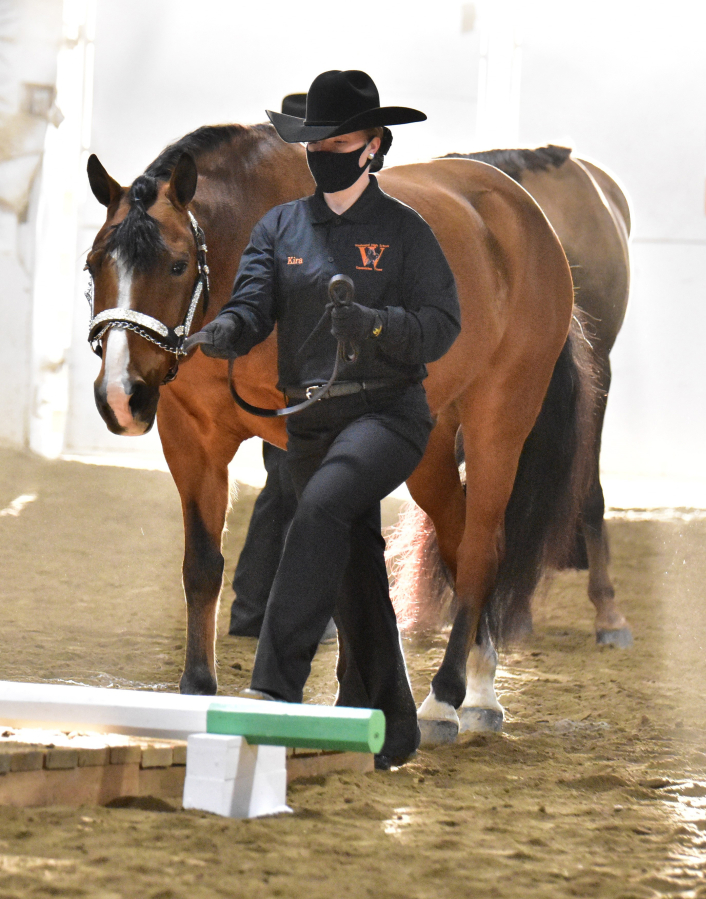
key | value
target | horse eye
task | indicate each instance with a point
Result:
(179, 268)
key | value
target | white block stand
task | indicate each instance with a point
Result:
(228, 776)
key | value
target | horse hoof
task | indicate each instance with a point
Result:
(620, 637)
(198, 684)
(437, 730)
(480, 720)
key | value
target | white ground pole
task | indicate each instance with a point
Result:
(57, 264)
(225, 775)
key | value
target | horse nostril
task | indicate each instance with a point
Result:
(100, 391)
(143, 400)
(100, 394)
(138, 391)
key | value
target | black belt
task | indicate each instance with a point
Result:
(342, 388)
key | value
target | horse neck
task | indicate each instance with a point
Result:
(238, 183)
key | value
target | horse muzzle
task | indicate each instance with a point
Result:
(127, 407)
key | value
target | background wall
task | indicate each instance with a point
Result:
(623, 83)
(30, 35)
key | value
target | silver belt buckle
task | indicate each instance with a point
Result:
(311, 390)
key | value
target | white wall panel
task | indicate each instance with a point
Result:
(30, 33)
(656, 422)
(623, 83)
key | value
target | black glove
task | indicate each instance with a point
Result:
(218, 338)
(354, 323)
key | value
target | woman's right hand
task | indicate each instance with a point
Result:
(217, 339)
(354, 323)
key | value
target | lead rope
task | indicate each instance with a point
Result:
(342, 291)
(287, 410)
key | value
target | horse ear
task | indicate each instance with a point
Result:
(182, 184)
(105, 189)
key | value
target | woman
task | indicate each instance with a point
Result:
(271, 516)
(353, 447)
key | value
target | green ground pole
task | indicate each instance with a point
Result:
(300, 726)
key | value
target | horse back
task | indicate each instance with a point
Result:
(513, 280)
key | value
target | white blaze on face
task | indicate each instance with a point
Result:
(116, 356)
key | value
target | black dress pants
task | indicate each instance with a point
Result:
(345, 455)
(260, 555)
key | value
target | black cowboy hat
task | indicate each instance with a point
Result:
(338, 103)
(294, 105)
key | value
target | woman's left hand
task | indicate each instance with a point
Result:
(353, 323)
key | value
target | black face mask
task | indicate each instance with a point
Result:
(335, 171)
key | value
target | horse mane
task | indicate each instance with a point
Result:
(138, 239)
(203, 140)
(515, 162)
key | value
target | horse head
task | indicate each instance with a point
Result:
(148, 272)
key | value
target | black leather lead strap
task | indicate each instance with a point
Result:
(341, 291)
(287, 410)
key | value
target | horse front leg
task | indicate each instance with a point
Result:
(199, 467)
(204, 512)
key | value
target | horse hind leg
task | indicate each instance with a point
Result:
(612, 628)
(465, 678)
(436, 487)
(437, 716)
(480, 711)
(524, 475)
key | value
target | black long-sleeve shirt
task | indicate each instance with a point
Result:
(395, 262)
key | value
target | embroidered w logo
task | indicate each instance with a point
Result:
(371, 254)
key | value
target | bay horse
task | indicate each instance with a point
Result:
(591, 217)
(525, 456)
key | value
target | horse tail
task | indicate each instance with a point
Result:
(553, 477)
(541, 517)
(421, 587)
